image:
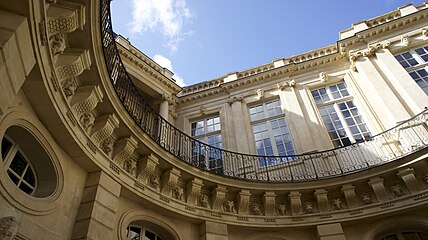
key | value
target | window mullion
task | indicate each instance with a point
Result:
(343, 121)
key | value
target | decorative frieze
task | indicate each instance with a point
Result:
(322, 200)
(169, 181)
(57, 43)
(69, 86)
(323, 77)
(379, 189)
(103, 128)
(193, 190)
(295, 202)
(281, 209)
(243, 200)
(178, 193)
(203, 200)
(123, 149)
(146, 168)
(269, 203)
(72, 63)
(409, 178)
(260, 94)
(405, 40)
(218, 196)
(86, 99)
(255, 209)
(350, 196)
(229, 206)
(130, 166)
(337, 204)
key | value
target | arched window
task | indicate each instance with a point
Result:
(404, 235)
(27, 164)
(141, 233)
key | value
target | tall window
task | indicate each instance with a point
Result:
(270, 130)
(341, 117)
(207, 131)
(19, 169)
(415, 61)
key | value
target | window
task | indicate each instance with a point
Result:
(19, 169)
(270, 130)
(405, 235)
(139, 233)
(415, 61)
(207, 131)
(341, 117)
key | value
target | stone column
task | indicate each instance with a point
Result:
(213, 231)
(97, 213)
(406, 89)
(239, 125)
(331, 231)
(376, 90)
(164, 107)
(302, 138)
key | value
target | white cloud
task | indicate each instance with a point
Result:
(166, 63)
(166, 16)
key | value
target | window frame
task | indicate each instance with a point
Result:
(142, 233)
(421, 64)
(8, 159)
(267, 120)
(334, 102)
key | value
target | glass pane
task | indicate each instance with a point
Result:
(12, 177)
(25, 188)
(29, 177)
(149, 235)
(18, 164)
(5, 147)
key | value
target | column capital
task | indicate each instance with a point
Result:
(282, 86)
(235, 99)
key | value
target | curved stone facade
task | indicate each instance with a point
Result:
(98, 141)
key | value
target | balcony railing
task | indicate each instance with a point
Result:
(406, 138)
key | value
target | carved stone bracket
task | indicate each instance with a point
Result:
(218, 196)
(86, 99)
(103, 128)
(65, 17)
(147, 167)
(260, 94)
(235, 99)
(322, 200)
(193, 191)
(409, 178)
(295, 202)
(323, 77)
(369, 51)
(424, 32)
(72, 63)
(9, 226)
(286, 84)
(350, 196)
(243, 199)
(269, 203)
(123, 149)
(169, 181)
(379, 189)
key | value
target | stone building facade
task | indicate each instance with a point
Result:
(99, 142)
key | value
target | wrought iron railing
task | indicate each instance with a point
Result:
(406, 138)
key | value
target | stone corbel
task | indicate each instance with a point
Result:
(243, 199)
(409, 178)
(322, 200)
(218, 196)
(193, 190)
(295, 202)
(146, 168)
(72, 63)
(169, 181)
(123, 149)
(379, 189)
(269, 203)
(86, 99)
(260, 94)
(235, 99)
(103, 128)
(286, 84)
(65, 17)
(350, 196)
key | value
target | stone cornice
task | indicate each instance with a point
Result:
(150, 69)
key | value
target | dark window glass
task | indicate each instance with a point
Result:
(5, 147)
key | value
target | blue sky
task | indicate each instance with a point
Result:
(201, 40)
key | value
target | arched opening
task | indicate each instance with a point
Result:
(27, 164)
(144, 230)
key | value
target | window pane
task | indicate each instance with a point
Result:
(18, 164)
(5, 147)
